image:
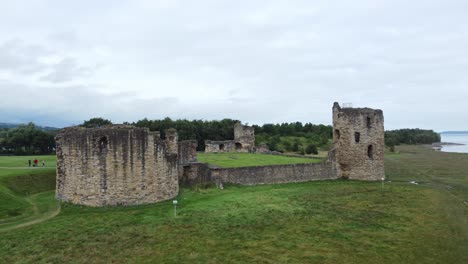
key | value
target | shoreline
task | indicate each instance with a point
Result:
(439, 145)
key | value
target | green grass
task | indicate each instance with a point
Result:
(314, 222)
(234, 160)
(22, 161)
(17, 184)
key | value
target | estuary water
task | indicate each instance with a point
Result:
(461, 138)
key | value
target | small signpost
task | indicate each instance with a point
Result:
(382, 186)
(174, 202)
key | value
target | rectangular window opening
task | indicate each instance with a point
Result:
(357, 137)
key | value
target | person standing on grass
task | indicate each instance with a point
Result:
(35, 162)
(43, 163)
(29, 162)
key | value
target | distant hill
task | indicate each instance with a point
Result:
(454, 132)
(12, 125)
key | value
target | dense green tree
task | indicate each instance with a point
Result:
(96, 122)
(311, 149)
(27, 139)
(410, 136)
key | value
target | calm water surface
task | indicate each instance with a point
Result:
(455, 138)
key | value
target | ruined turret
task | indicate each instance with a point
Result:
(358, 143)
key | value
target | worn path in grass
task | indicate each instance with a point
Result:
(26, 193)
(52, 209)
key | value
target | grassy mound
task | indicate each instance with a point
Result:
(234, 160)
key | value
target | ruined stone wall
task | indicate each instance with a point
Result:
(220, 146)
(203, 174)
(358, 143)
(187, 151)
(262, 149)
(196, 173)
(244, 141)
(115, 165)
(244, 137)
(273, 174)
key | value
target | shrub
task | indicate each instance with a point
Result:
(311, 149)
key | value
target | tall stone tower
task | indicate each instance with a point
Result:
(244, 137)
(358, 143)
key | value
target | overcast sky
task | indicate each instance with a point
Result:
(62, 62)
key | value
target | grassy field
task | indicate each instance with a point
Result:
(233, 160)
(314, 222)
(19, 185)
(22, 161)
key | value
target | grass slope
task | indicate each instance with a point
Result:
(234, 160)
(18, 182)
(314, 222)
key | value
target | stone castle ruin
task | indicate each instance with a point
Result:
(116, 165)
(244, 141)
(358, 143)
(125, 165)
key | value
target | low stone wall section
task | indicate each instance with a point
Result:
(201, 173)
(273, 174)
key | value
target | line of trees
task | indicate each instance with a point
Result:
(410, 136)
(294, 137)
(285, 137)
(201, 130)
(26, 140)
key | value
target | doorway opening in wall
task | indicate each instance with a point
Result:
(370, 152)
(238, 146)
(337, 134)
(102, 143)
(221, 146)
(368, 122)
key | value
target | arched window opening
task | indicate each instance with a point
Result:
(337, 134)
(102, 144)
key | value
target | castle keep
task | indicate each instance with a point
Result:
(358, 143)
(125, 165)
(116, 165)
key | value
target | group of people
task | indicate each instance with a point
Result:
(35, 163)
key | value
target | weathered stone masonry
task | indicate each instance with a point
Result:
(244, 141)
(116, 165)
(124, 165)
(358, 143)
(203, 174)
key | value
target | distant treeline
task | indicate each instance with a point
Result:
(411, 137)
(26, 140)
(285, 137)
(13, 125)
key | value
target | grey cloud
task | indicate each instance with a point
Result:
(66, 70)
(259, 61)
(16, 56)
